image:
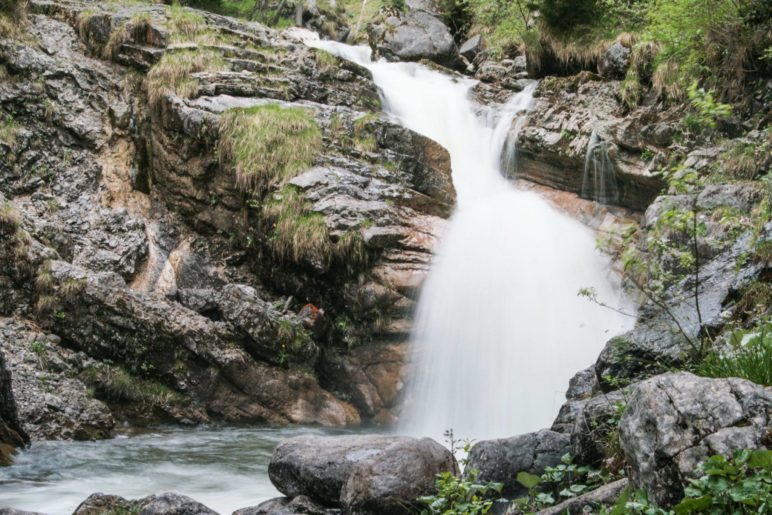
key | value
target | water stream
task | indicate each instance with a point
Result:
(224, 468)
(499, 329)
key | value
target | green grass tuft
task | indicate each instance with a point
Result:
(173, 72)
(268, 144)
(748, 356)
(298, 234)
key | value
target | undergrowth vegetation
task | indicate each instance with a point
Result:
(173, 73)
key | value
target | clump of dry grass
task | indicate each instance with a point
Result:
(131, 30)
(173, 72)
(667, 81)
(298, 234)
(9, 129)
(268, 144)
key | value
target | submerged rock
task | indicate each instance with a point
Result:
(501, 460)
(675, 421)
(373, 474)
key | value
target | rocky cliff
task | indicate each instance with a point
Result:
(158, 267)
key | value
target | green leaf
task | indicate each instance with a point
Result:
(760, 459)
(694, 505)
(529, 481)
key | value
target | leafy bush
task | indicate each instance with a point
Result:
(749, 357)
(742, 484)
(563, 15)
(460, 495)
(720, 41)
(559, 483)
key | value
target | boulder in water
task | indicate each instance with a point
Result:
(167, 503)
(381, 473)
(501, 460)
(675, 421)
(12, 435)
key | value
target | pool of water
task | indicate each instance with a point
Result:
(225, 468)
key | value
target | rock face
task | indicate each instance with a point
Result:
(134, 254)
(162, 504)
(12, 435)
(674, 421)
(411, 36)
(52, 402)
(361, 474)
(501, 460)
(642, 351)
(552, 144)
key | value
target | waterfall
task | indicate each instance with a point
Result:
(499, 328)
(599, 181)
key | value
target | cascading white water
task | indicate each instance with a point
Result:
(599, 181)
(499, 328)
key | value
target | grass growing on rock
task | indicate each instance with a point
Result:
(298, 234)
(117, 385)
(173, 72)
(127, 32)
(268, 144)
(9, 129)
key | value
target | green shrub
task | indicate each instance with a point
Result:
(460, 495)
(742, 484)
(563, 15)
(749, 357)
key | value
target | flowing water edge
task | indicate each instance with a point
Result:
(499, 328)
(225, 468)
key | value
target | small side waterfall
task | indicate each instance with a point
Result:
(599, 181)
(499, 328)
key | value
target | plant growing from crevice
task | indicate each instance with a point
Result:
(173, 73)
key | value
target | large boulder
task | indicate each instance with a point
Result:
(501, 460)
(675, 421)
(411, 36)
(382, 474)
(613, 63)
(389, 482)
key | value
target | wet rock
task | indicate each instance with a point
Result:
(300, 505)
(167, 503)
(676, 420)
(371, 376)
(391, 481)
(99, 503)
(198, 358)
(501, 460)
(52, 402)
(552, 144)
(613, 63)
(359, 471)
(591, 502)
(12, 436)
(471, 47)
(411, 36)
